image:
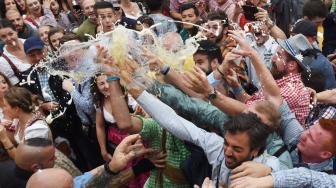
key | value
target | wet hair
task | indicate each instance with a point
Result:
(69, 36)
(219, 15)
(314, 8)
(145, 19)
(252, 125)
(210, 49)
(4, 23)
(6, 79)
(187, 6)
(19, 97)
(52, 32)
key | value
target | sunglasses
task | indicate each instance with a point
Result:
(117, 8)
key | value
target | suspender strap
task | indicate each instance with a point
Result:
(159, 177)
(13, 67)
(280, 151)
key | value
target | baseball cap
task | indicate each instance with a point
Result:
(33, 43)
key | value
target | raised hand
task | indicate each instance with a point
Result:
(129, 149)
(232, 78)
(252, 169)
(196, 80)
(107, 63)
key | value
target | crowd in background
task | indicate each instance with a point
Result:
(257, 109)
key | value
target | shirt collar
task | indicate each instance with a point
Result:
(289, 78)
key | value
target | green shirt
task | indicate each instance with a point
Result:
(176, 151)
(87, 27)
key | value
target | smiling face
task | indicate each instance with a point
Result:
(10, 4)
(237, 149)
(34, 7)
(16, 19)
(215, 30)
(88, 9)
(43, 32)
(54, 7)
(55, 39)
(103, 85)
(9, 36)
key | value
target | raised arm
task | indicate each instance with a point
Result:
(270, 88)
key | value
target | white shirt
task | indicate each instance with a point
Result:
(211, 143)
(265, 52)
(6, 69)
(39, 129)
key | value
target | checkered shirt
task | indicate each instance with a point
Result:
(294, 92)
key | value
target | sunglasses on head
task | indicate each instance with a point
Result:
(117, 8)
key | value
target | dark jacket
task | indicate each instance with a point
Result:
(67, 124)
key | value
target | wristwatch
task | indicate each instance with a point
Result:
(213, 94)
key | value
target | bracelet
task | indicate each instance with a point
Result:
(108, 170)
(112, 78)
(220, 72)
(238, 90)
(165, 70)
(10, 148)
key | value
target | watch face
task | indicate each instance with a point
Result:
(212, 96)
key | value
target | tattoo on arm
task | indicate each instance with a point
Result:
(103, 179)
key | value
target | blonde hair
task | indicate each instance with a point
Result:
(271, 111)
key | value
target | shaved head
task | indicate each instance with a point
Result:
(50, 178)
(32, 158)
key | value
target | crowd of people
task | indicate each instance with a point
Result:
(254, 106)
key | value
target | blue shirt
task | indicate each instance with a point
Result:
(80, 181)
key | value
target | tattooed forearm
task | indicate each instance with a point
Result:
(103, 179)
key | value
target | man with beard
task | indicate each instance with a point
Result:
(286, 70)
(56, 102)
(90, 24)
(208, 56)
(217, 27)
(24, 30)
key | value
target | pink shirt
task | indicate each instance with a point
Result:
(227, 7)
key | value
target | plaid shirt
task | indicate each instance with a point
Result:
(294, 92)
(43, 77)
(326, 111)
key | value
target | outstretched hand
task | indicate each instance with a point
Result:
(107, 63)
(197, 81)
(129, 149)
(245, 48)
